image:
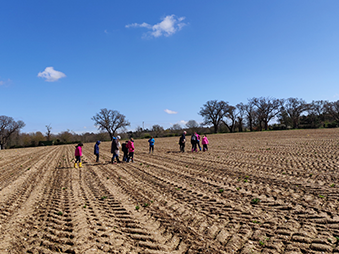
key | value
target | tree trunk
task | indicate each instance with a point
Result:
(266, 125)
(216, 128)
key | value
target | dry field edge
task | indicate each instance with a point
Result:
(262, 192)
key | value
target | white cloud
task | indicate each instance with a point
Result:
(171, 112)
(168, 26)
(139, 25)
(105, 32)
(51, 75)
(182, 122)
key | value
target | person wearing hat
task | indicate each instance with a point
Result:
(96, 150)
(78, 154)
(115, 148)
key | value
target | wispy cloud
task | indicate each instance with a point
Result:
(171, 112)
(5, 82)
(105, 32)
(51, 75)
(168, 26)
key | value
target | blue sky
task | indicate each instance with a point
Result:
(62, 61)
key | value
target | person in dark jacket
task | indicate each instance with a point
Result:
(125, 151)
(96, 150)
(194, 142)
(182, 142)
(115, 148)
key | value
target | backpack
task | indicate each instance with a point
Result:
(194, 138)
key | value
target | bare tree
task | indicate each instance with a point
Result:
(332, 108)
(7, 127)
(230, 113)
(176, 127)
(267, 108)
(250, 113)
(212, 112)
(138, 131)
(157, 130)
(66, 136)
(192, 125)
(36, 138)
(315, 113)
(48, 133)
(110, 120)
(292, 109)
(241, 116)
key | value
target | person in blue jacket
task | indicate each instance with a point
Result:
(151, 142)
(96, 150)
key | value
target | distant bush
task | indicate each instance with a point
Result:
(146, 135)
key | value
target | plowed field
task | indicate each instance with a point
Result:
(263, 192)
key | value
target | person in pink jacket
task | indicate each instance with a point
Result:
(204, 143)
(130, 146)
(78, 154)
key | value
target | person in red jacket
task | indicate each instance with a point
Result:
(78, 154)
(130, 146)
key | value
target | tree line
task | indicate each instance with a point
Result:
(219, 116)
(257, 113)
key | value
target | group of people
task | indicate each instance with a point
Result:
(195, 142)
(128, 148)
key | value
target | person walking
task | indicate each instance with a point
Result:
(125, 151)
(130, 146)
(198, 140)
(182, 142)
(151, 142)
(194, 142)
(204, 143)
(96, 150)
(115, 149)
(78, 154)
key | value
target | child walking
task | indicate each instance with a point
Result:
(204, 143)
(125, 151)
(78, 154)
(130, 146)
(96, 150)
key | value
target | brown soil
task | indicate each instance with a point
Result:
(200, 202)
